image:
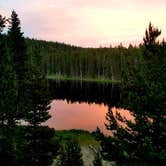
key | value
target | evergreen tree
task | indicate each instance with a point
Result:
(151, 35)
(2, 54)
(38, 99)
(19, 58)
(8, 93)
(98, 160)
(23, 95)
(70, 154)
(2, 23)
(98, 134)
(35, 146)
(17, 46)
(8, 83)
(143, 92)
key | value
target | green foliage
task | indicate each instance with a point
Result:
(98, 134)
(7, 151)
(151, 35)
(84, 138)
(2, 23)
(143, 92)
(8, 83)
(98, 160)
(69, 62)
(38, 100)
(38, 147)
(8, 93)
(24, 145)
(17, 47)
(19, 60)
(23, 95)
(70, 154)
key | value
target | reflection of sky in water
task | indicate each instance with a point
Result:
(78, 116)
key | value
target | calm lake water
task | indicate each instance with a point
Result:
(66, 115)
(82, 105)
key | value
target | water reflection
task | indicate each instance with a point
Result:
(81, 105)
(88, 92)
(77, 115)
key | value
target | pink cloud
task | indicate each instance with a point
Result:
(89, 22)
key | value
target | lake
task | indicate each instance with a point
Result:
(81, 105)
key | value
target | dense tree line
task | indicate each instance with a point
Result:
(60, 59)
(100, 63)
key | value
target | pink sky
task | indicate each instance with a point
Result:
(88, 23)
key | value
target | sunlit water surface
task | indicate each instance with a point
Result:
(82, 105)
(77, 116)
(65, 115)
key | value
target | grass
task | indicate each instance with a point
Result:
(85, 79)
(84, 138)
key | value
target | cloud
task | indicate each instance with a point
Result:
(87, 22)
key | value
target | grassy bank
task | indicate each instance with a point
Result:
(89, 146)
(85, 79)
(84, 138)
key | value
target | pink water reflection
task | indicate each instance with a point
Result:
(77, 116)
(65, 115)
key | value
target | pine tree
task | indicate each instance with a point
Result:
(23, 95)
(19, 58)
(37, 93)
(70, 154)
(98, 160)
(8, 83)
(35, 146)
(8, 93)
(2, 54)
(151, 34)
(38, 98)
(17, 46)
(2, 23)
(143, 92)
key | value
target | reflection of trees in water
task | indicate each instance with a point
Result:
(77, 91)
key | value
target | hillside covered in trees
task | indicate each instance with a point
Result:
(69, 61)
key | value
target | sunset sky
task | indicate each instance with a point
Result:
(88, 23)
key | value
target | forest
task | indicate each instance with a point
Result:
(61, 60)
(27, 64)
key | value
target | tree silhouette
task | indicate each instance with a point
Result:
(70, 154)
(143, 92)
(8, 83)
(19, 58)
(98, 160)
(151, 35)
(38, 99)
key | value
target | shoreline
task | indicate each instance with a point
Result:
(85, 79)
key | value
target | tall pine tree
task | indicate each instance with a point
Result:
(18, 53)
(17, 46)
(143, 91)
(8, 93)
(8, 83)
